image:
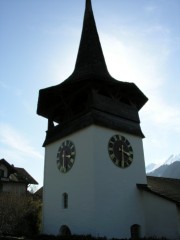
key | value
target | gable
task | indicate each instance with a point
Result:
(9, 173)
(6, 168)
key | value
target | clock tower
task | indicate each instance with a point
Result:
(93, 147)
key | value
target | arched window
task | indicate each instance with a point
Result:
(64, 230)
(65, 200)
(135, 231)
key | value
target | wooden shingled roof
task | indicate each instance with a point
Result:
(90, 95)
(168, 188)
(24, 176)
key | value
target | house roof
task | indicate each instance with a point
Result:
(168, 188)
(16, 174)
(10, 167)
(24, 176)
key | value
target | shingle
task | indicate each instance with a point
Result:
(24, 176)
(168, 188)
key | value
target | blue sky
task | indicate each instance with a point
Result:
(38, 46)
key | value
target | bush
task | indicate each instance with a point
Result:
(75, 237)
(85, 237)
(20, 215)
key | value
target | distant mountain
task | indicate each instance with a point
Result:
(170, 168)
(172, 159)
(158, 172)
(173, 170)
(150, 167)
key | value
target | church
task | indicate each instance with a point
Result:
(94, 172)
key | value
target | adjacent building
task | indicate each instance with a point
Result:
(14, 179)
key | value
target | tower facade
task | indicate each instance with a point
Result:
(94, 155)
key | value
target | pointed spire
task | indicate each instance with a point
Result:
(90, 58)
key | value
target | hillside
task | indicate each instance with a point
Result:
(170, 168)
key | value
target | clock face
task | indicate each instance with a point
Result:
(120, 151)
(66, 156)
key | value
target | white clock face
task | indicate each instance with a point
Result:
(66, 156)
(120, 151)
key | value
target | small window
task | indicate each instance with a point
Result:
(1, 173)
(65, 200)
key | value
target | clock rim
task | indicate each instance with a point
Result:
(120, 135)
(57, 158)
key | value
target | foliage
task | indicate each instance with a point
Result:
(77, 237)
(84, 237)
(19, 215)
(69, 237)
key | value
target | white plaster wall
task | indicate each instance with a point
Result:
(78, 183)
(162, 217)
(118, 202)
(103, 199)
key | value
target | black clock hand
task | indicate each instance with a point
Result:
(128, 154)
(122, 150)
(63, 157)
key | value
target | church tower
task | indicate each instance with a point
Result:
(93, 147)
